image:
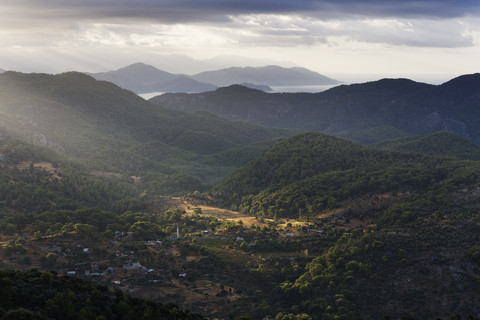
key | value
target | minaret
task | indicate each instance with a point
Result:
(178, 232)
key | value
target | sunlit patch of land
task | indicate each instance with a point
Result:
(47, 166)
(189, 206)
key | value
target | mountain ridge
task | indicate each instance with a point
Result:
(406, 105)
(142, 78)
(269, 75)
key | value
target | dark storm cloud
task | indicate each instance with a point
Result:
(427, 23)
(181, 11)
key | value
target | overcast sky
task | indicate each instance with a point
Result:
(389, 37)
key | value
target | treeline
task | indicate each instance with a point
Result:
(42, 296)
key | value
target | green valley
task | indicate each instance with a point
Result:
(112, 207)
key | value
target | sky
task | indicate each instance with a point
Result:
(429, 40)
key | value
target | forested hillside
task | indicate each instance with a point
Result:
(407, 106)
(38, 296)
(98, 184)
(441, 143)
(34, 179)
(313, 172)
(423, 213)
(119, 131)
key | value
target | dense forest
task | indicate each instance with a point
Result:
(114, 199)
(420, 206)
(313, 173)
(34, 295)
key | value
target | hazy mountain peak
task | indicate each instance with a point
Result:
(141, 69)
(271, 75)
(236, 88)
(261, 87)
(143, 78)
(75, 75)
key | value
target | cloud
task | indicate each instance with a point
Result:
(427, 23)
(149, 27)
(216, 11)
(295, 30)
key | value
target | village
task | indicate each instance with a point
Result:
(195, 270)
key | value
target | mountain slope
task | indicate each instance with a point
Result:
(142, 78)
(408, 106)
(311, 173)
(441, 143)
(422, 217)
(372, 135)
(34, 179)
(96, 120)
(268, 75)
(338, 109)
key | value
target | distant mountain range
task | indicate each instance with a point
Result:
(182, 64)
(142, 78)
(400, 106)
(270, 75)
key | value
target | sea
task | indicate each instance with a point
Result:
(435, 79)
(275, 89)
